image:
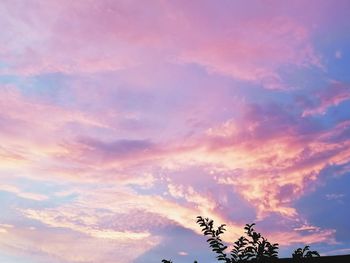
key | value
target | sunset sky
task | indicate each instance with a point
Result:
(123, 120)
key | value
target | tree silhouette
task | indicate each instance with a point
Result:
(254, 247)
(214, 240)
(250, 248)
(304, 253)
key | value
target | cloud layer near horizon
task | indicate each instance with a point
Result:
(121, 121)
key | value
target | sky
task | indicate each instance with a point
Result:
(121, 121)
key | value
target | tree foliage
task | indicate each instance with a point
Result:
(305, 252)
(252, 247)
(214, 240)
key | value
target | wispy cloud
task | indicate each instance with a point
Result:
(22, 194)
(330, 97)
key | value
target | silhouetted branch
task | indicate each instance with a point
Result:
(252, 248)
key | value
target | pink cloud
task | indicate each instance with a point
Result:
(108, 36)
(260, 150)
(255, 50)
(64, 247)
(287, 238)
(86, 223)
(23, 194)
(332, 96)
(283, 163)
(43, 43)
